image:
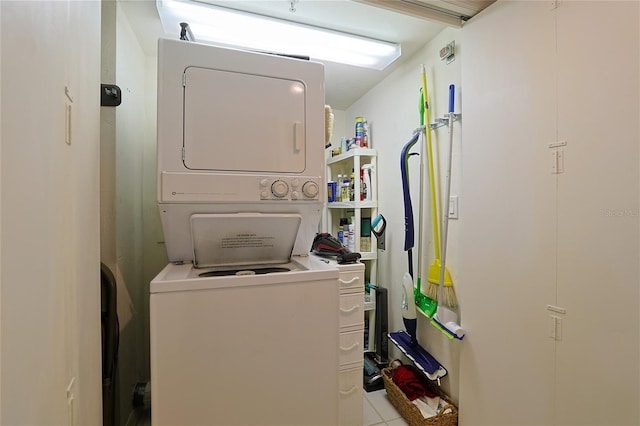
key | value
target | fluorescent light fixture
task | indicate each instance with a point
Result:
(238, 29)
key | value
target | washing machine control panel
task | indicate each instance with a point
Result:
(289, 188)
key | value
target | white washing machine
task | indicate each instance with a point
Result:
(244, 324)
(245, 349)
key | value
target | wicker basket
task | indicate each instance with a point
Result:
(410, 412)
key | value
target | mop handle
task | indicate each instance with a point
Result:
(432, 180)
(452, 95)
(445, 209)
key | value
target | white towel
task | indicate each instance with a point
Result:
(430, 407)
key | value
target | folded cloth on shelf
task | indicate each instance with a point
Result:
(411, 382)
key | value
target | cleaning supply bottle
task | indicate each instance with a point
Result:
(341, 230)
(365, 134)
(345, 189)
(352, 237)
(352, 186)
(366, 171)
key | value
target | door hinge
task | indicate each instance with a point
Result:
(555, 321)
(557, 157)
(555, 328)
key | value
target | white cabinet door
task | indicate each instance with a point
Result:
(508, 256)
(598, 214)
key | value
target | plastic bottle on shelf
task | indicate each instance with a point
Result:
(344, 224)
(352, 186)
(365, 134)
(341, 231)
(360, 131)
(352, 237)
(366, 178)
(345, 189)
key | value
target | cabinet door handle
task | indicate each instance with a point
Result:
(350, 281)
(350, 348)
(346, 311)
(351, 390)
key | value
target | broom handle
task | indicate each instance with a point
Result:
(432, 184)
(445, 208)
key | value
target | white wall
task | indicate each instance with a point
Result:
(132, 237)
(391, 108)
(50, 273)
(535, 74)
(130, 132)
(135, 251)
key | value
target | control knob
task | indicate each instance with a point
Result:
(310, 189)
(279, 188)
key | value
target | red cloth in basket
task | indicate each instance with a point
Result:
(411, 382)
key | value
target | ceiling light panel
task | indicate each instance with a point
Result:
(234, 28)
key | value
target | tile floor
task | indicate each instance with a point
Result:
(378, 410)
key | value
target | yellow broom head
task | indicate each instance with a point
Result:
(433, 278)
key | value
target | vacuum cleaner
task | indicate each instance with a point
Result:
(376, 360)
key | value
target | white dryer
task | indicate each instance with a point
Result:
(244, 324)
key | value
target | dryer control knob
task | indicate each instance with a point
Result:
(310, 189)
(279, 188)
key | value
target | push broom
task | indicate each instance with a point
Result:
(436, 268)
(445, 319)
(447, 293)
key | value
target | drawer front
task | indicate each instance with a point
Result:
(351, 398)
(351, 347)
(351, 280)
(352, 310)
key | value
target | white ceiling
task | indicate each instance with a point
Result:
(344, 84)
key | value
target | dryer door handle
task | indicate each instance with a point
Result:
(298, 136)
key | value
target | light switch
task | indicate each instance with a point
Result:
(453, 207)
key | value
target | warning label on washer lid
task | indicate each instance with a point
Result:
(247, 240)
(223, 239)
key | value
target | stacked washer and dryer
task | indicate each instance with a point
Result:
(244, 323)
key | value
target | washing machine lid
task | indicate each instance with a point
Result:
(230, 239)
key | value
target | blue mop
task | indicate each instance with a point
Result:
(407, 340)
